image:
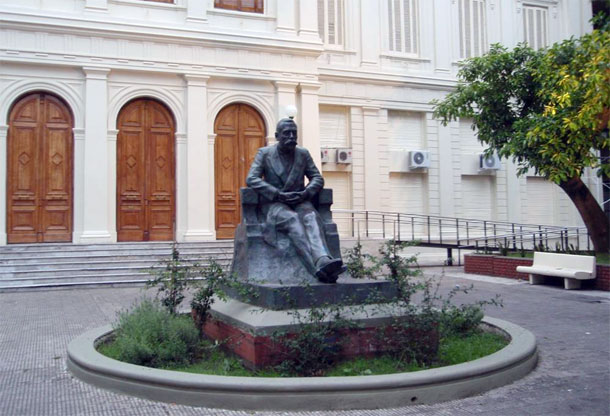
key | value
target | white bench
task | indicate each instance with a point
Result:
(570, 267)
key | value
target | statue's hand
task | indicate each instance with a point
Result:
(291, 198)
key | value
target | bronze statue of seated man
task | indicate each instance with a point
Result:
(278, 176)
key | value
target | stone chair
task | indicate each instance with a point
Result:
(256, 261)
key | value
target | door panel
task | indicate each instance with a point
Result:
(40, 171)
(240, 132)
(145, 172)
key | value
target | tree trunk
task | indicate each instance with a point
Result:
(591, 212)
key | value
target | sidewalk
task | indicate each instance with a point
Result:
(572, 378)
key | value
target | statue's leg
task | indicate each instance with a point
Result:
(327, 268)
(288, 221)
(313, 226)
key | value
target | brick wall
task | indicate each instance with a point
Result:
(506, 267)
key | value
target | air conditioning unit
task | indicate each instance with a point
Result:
(327, 155)
(419, 159)
(490, 162)
(344, 156)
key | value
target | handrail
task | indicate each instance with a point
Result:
(455, 232)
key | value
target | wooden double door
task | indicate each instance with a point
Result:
(40, 170)
(145, 172)
(240, 132)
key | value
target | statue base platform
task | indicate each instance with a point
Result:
(247, 326)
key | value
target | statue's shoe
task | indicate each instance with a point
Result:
(329, 269)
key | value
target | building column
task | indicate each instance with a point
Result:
(309, 121)
(79, 184)
(111, 145)
(372, 178)
(308, 19)
(4, 164)
(199, 190)
(196, 11)
(285, 96)
(96, 164)
(286, 16)
(96, 5)
(446, 173)
(210, 213)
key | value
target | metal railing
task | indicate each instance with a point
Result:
(459, 233)
(432, 229)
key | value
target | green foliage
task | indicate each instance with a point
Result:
(452, 350)
(546, 110)
(458, 349)
(317, 345)
(359, 264)
(211, 285)
(150, 335)
(171, 280)
(542, 108)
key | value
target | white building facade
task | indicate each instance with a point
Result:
(136, 120)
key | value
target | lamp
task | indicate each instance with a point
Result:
(291, 111)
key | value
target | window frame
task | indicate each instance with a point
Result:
(545, 41)
(339, 17)
(259, 7)
(389, 19)
(471, 37)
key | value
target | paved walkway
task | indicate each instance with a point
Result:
(572, 377)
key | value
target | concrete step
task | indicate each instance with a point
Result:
(45, 266)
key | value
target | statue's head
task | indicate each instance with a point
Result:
(286, 134)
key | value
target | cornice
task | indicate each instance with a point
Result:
(385, 78)
(129, 30)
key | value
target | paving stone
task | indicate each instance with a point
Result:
(572, 377)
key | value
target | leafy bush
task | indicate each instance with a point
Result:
(150, 335)
(172, 280)
(358, 263)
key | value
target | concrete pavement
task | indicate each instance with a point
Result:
(572, 377)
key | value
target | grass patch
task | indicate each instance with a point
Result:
(452, 350)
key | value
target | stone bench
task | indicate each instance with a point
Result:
(572, 268)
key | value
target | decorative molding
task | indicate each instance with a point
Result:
(211, 139)
(285, 86)
(180, 138)
(195, 80)
(98, 73)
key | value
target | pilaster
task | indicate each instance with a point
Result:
(79, 183)
(446, 173)
(96, 5)
(111, 145)
(286, 16)
(210, 213)
(196, 11)
(372, 183)
(96, 163)
(309, 120)
(285, 94)
(308, 20)
(195, 158)
(3, 163)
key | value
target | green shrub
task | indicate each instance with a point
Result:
(150, 335)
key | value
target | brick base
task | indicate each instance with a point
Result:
(259, 351)
(506, 267)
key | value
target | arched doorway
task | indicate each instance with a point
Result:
(145, 172)
(240, 132)
(40, 170)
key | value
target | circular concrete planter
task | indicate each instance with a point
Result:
(312, 393)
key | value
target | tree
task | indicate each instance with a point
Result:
(547, 110)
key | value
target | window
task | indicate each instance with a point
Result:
(330, 21)
(402, 26)
(535, 26)
(473, 33)
(251, 6)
